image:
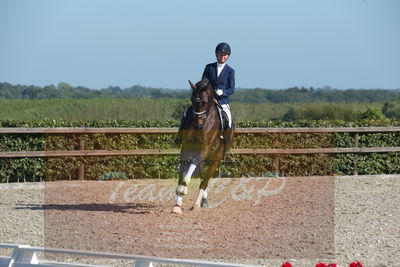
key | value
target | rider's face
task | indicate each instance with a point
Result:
(222, 57)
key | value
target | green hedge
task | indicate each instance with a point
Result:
(127, 167)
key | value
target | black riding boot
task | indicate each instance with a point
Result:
(228, 137)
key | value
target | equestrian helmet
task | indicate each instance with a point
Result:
(223, 48)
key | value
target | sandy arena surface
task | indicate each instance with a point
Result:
(261, 221)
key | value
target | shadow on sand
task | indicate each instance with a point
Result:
(135, 208)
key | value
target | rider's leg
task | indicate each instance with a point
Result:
(228, 132)
(227, 110)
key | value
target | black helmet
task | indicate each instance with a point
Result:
(223, 48)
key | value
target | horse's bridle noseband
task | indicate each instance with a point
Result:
(201, 114)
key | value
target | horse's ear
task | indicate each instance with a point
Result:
(192, 85)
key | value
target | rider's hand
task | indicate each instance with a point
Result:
(219, 92)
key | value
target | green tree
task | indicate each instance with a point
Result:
(180, 107)
(391, 109)
(372, 114)
(291, 115)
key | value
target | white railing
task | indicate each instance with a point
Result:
(25, 256)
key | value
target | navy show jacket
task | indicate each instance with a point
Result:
(225, 81)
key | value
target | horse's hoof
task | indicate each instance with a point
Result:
(195, 208)
(204, 203)
(177, 209)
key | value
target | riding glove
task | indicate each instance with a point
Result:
(219, 92)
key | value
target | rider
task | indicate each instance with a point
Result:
(222, 78)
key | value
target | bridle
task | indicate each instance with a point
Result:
(201, 114)
(199, 100)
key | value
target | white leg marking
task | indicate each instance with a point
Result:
(199, 198)
(205, 194)
(189, 173)
(178, 206)
(179, 200)
(181, 190)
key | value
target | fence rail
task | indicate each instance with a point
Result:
(123, 130)
(91, 153)
(25, 255)
(356, 131)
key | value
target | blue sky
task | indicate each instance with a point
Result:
(276, 44)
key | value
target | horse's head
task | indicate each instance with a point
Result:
(202, 96)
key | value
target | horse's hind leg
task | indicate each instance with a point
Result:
(199, 199)
(204, 201)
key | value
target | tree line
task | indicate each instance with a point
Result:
(163, 109)
(22, 102)
(257, 95)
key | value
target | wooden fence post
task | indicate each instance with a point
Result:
(276, 163)
(278, 141)
(356, 139)
(81, 174)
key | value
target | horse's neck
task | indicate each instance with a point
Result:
(213, 109)
(211, 104)
(211, 101)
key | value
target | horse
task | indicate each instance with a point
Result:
(204, 143)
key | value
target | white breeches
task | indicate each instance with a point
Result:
(227, 110)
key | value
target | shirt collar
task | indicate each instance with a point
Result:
(220, 65)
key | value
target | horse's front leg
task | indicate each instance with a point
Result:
(181, 190)
(184, 180)
(212, 165)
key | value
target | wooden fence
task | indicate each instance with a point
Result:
(356, 131)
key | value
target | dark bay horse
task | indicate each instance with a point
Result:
(203, 143)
